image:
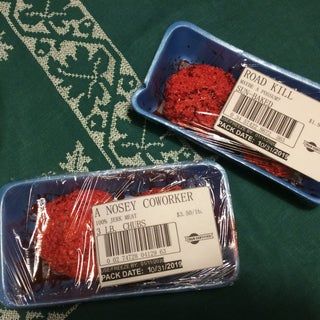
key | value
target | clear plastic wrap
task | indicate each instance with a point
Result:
(194, 97)
(188, 84)
(48, 242)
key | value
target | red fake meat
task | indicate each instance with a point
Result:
(275, 168)
(67, 233)
(195, 96)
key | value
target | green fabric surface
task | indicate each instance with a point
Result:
(45, 128)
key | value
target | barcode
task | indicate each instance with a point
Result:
(265, 116)
(136, 240)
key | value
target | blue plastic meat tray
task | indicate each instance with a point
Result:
(185, 41)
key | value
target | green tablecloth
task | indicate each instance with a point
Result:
(67, 72)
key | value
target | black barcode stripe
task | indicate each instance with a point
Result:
(138, 239)
(157, 237)
(167, 234)
(265, 116)
(108, 247)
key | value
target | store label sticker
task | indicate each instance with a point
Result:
(274, 119)
(155, 236)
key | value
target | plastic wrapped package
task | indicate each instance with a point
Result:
(192, 79)
(87, 236)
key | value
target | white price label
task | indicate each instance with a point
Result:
(155, 236)
(274, 119)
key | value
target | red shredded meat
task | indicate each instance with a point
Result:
(67, 233)
(195, 95)
(275, 168)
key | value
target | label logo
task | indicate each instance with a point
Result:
(311, 146)
(194, 238)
